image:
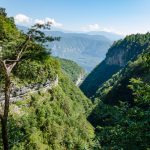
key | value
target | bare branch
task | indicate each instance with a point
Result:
(7, 60)
(23, 47)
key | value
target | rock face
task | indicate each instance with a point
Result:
(80, 79)
(117, 57)
(116, 60)
(19, 93)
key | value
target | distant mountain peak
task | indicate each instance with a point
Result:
(110, 35)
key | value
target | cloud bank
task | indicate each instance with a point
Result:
(97, 27)
(22, 19)
(54, 23)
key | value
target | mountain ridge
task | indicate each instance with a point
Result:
(82, 47)
(117, 57)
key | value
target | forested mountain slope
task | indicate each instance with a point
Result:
(117, 57)
(61, 117)
(72, 69)
(122, 111)
(116, 89)
(49, 119)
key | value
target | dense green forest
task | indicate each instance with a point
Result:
(61, 117)
(122, 103)
(72, 69)
(52, 120)
(122, 111)
(55, 119)
(117, 57)
(116, 89)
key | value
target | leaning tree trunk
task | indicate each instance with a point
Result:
(4, 118)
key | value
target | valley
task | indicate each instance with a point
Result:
(81, 47)
(64, 90)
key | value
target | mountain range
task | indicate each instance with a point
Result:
(81, 47)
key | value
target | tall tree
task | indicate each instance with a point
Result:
(10, 54)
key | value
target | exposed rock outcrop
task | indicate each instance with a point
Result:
(20, 93)
(116, 59)
(80, 79)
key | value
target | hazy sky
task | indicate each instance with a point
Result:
(120, 16)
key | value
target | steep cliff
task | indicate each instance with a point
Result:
(117, 57)
(123, 107)
(116, 88)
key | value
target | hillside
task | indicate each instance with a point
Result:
(43, 124)
(50, 118)
(117, 57)
(72, 69)
(41, 120)
(123, 107)
(116, 89)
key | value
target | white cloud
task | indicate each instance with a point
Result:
(97, 27)
(94, 27)
(22, 19)
(54, 23)
(39, 21)
(91, 27)
(25, 20)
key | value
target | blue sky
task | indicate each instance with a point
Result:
(119, 16)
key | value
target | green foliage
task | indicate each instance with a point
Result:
(75, 94)
(52, 120)
(3, 12)
(38, 71)
(7, 27)
(116, 88)
(100, 74)
(141, 92)
(125, 125)
(56, 119)
(46, 120)
(73, 70)
(117, 57)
